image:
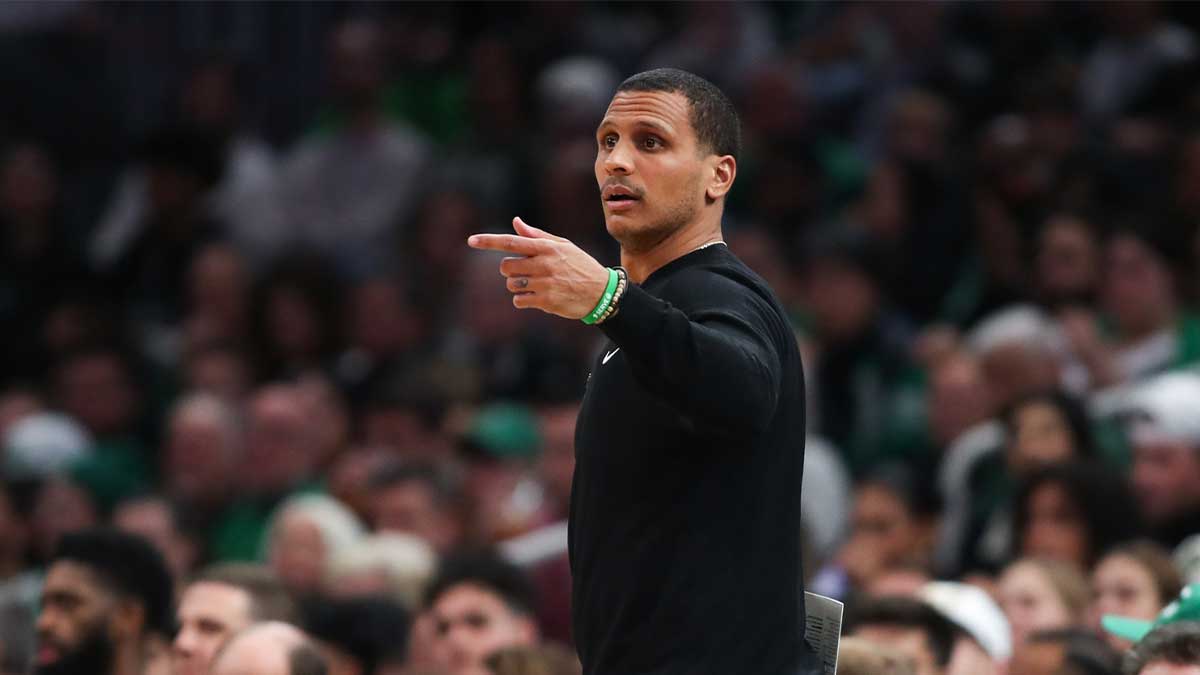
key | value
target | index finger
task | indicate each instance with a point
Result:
(510, 243)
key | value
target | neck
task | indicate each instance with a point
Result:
(641, 264)
(128, 658)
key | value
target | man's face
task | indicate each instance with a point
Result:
(73, 628)
(910, 641)
(411, 507)
(209, 613)
(649, 167)
(470, 623)
(1165, 476)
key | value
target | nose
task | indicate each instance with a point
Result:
(184, 642)
(619, 160)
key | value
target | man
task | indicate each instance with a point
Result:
(106, 606)
(478, 605)
(160, 522)
(1168, 650)
(357, 635)
(857, 656)
(1165, 434)
(685, 512)
(1068, 650)
(280, 458)
(221, 601)
(911, 627)
(416, 499)
(270, 648)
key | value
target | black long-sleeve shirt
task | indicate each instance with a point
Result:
(685, 511)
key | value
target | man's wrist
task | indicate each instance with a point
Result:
(606, 298)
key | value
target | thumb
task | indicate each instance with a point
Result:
(526, 230)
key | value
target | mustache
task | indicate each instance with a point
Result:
(613, 181)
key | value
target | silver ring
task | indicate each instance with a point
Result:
(522, 282)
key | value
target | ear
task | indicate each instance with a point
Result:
(723, 169)
(128, 620)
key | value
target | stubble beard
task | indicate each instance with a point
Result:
(93, 656)
(645, 237)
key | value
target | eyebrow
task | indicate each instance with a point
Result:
(661, 128)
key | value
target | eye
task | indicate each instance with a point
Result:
(609, 141)
(476, 621)
(652, 143)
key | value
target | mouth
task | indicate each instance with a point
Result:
(619, 198)
(46, 655)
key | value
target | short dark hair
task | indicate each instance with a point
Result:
(713, 116)
(269, 599)
(304, 659)
(1102, 496)
(486, 569)
(903, 612)
(1176, 643)
(371, 630)
(1084, 652)
(128, 565)
(428, 474)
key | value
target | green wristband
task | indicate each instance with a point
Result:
(605, 300)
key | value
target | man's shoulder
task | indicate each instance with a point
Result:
(720, 280)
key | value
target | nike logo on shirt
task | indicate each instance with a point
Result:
(609, 355)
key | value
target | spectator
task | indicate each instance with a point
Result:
(295, 312)
(357, 635)
(220, 602)
(1169, 650)
(500, 448)
(60, 506)
(1071, 650)
(1041, 595)
(418, 499)
(1183, 610)
(148, 268)
(509, 353)
(1067, 263)
(343, 190)
(478, 605)
(106, 605)
(391, 564)
(857, 334)
(162, 523)
(556, 462)
(203, 445)
(857, 656)
(304, 535)
(280, 458)
(1152, 332)
(220, 369)
(270, 648)
(984, 642)
(1073, 513)
(36, 259)
(384, 329)
(217, 305)
(211, 104)
(1165, 433)
(1135, 580)
(892, 527)
(909, 626)
(98, 386)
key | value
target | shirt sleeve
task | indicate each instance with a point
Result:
(716, 364)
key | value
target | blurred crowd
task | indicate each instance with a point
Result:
(241, 322)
